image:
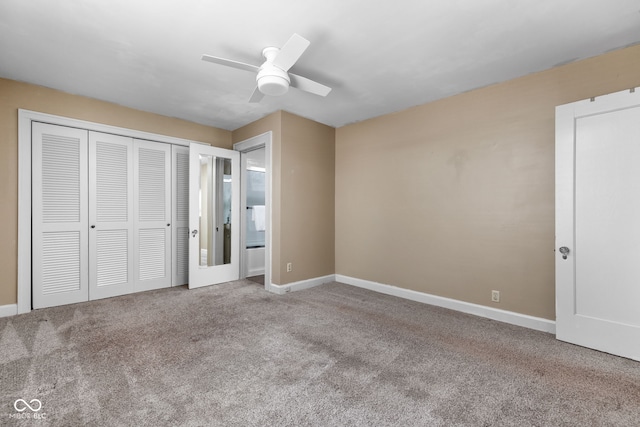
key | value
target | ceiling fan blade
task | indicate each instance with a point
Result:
(308, 85)
(291, 52)
(256, 96)
(230, 63)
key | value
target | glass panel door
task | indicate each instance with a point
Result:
(214, 218)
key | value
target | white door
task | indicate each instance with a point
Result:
(598, 223)
(111, 217)
(152, 207)
(180, 216)
(214, 218)
(60, 221)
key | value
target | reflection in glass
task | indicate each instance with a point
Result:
(215, 210)
(255, 235)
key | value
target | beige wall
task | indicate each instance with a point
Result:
(15, 95)
(308, 199)
(303, 197)
(456, 197)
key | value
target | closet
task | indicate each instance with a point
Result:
(109, 215)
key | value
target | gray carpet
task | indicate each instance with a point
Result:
(334, 355)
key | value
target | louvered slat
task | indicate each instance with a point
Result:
(61, 269)
(152, 189)
(153, 248)
(182, 255)
(182, 190)
(59, 218)
(112, 179)
(180, 215)
(60, 179)
(151, 181)
(112, 257)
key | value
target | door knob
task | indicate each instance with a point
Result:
(564, 251)
(194, 232)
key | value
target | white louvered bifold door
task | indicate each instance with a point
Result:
(152, 191)
(180, 215)
(59, 221)
(111, 218)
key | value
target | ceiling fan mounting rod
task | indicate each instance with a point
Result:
(269, 53)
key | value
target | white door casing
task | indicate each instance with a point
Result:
(597, 211)
(204, 275)
(60, 215)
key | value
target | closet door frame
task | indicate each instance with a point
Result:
(25, 119)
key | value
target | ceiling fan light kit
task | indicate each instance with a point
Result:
(272, 81)
(272, 78)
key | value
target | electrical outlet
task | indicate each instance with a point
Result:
(495, 296)
(289, 267)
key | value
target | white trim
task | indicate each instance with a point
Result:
(302, 284)
(253, 143)
(256, 272)
(24, 211)
(531, 322)
(99, 127)
(263, 140)
(8, 310)
(25, 117)
(252, 254)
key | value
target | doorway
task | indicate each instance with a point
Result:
(255, 225)
(256, 209)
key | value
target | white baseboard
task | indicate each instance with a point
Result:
(255, 272)
(303, 284)
(8, 310)
(510, 317)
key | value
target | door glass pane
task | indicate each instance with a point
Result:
(215, 211)
(255, 209)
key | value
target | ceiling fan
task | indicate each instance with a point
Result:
(272, 76)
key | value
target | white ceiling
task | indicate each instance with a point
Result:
(379, 57)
